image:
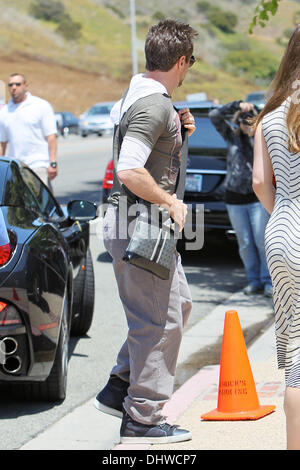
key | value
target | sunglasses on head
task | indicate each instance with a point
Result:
(15, 83)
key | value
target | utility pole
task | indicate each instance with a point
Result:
(133, 38)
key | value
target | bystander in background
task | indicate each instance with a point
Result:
(28, 125)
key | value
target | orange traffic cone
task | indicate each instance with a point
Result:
(237, 397)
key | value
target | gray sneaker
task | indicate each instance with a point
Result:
(133, 432)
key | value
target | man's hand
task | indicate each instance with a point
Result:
(187, 120)
(246, 107)
(178, 211)
(52, 172)
(3, 148)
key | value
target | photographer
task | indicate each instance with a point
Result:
(248, 217)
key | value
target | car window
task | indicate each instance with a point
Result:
(70, 118)
(100, 109)
(45, 200)
(16, 193)
(3, 171)
(206, 135)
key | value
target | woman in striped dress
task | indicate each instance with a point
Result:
(277, 153)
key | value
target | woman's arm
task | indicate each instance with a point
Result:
(262, 178)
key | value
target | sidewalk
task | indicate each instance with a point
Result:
(87, 429)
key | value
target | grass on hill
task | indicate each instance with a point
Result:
(75, 74)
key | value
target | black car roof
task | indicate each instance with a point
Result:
(203, 106)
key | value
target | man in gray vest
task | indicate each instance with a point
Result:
(148, 163)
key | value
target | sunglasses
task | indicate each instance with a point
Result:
(192, 60)
(15, 83)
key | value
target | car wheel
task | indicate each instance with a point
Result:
(83, 134)
(55, 386)
(84, 297)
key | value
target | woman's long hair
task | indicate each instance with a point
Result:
(285, 84)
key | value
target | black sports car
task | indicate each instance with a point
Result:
(46, 282)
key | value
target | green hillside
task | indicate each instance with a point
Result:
(95, 64)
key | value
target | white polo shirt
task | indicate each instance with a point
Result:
(25, 127)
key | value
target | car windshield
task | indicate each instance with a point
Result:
(100, 109)
(206, 136)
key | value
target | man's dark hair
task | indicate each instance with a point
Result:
(166, 42)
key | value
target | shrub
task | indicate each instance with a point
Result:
(68, 28)
(223, 20)
(49, 10)
(52, 10)
(203, 6)
(255, 64)
(158, 16)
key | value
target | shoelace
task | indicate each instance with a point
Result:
(167, 427)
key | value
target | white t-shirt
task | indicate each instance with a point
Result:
(25, 127)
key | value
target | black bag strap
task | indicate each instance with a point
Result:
(181, 178)
(117, 129)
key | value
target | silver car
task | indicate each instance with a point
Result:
(97, 120)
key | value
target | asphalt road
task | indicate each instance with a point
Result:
(213, 274)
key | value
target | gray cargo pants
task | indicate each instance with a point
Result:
(156, 312)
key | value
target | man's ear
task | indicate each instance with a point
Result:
(181, 61)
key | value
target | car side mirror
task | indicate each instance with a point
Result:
(82, 210)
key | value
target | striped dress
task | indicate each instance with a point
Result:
(282, 242)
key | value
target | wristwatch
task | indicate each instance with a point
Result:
(53, 164)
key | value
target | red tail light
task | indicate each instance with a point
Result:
(108, 178)
(5, 253)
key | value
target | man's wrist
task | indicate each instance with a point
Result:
(169, 201)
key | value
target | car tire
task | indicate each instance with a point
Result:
(84, 298)
(54, 388)
(83, 134)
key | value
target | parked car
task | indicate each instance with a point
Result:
(257, 98)
(107, 182)
(206, 171)
(46, 282)
(97, 120)
(67, 123)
